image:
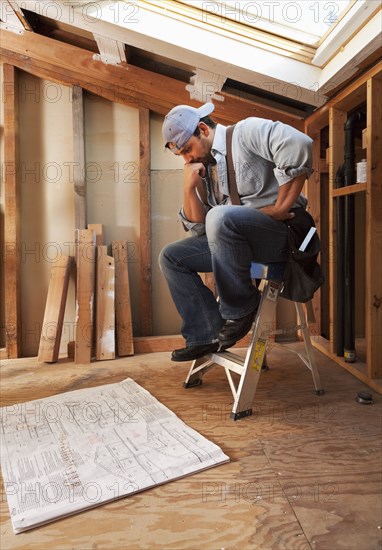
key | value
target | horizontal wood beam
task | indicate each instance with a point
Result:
(47, 58)
(152, 344)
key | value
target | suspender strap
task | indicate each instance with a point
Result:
(232, 186)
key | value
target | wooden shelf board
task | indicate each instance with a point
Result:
(349, 190)
(357, 369)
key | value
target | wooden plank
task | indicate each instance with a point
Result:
(99, 241)
(373, 318)
(365, 138)
(11, 177)
(349, 189)
(105, 311)
(324, 166)
(85, 295)
(79, 172)
(54, 311)
(312, 191)
(337, 119)
(359, 369)
(98, 231)
(124, 326)
(145, 222)
(152, 344)
(71, 349)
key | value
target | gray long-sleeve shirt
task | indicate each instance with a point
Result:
(266, 155)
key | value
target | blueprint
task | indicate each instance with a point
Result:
(73, 451)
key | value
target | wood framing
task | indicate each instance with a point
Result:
(85, 295)
(12, 243)
(54, 311)
(374, 229)
(79, 172)
(364, 92)
(337, 119)
(124, 325)
(312, 193)
(145, 225)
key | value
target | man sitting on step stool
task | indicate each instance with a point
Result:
(230, 228)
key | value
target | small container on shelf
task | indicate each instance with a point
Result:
(362, 171)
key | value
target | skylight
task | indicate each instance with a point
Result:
(304, 21)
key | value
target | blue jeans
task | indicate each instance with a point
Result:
(235, 236)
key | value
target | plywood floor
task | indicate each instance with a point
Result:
(305, 471)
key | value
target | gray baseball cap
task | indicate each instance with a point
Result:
(181, 122)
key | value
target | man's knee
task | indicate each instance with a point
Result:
(215, 220)
(166, 256)
(173, 253)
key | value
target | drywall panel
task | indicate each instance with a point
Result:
(166, 199)
(166, 195)
(112, 175)
(47, 207)
(161, 158)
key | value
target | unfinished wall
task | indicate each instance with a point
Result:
(112, 162)
(166, 199)
(47, 207)
(113, 200)
(112, 175)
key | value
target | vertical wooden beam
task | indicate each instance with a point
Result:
(79, 166)
(145, 222)
(12, 212)
(105, 316)
(54, 311)
(85, 295)
(373, 319)
(313, 194)
(125, 343)
(337, 119)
